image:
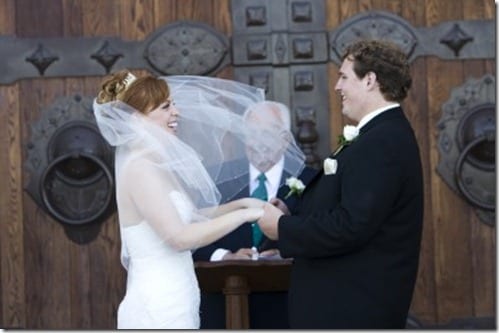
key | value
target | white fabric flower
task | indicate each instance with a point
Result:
(330, 166)
(295, 185)
(350, 132)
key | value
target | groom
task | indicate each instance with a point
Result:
(356, 238)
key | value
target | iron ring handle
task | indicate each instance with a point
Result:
(54, 211)
(460, 182)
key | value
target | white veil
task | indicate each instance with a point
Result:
(211, 139)
(212, 122)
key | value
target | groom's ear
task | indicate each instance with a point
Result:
(371, 80)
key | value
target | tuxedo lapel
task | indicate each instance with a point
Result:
(283, 188)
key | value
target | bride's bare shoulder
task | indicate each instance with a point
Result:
(145, 169)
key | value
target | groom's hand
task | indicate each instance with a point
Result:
(280, 204)
(269, 221)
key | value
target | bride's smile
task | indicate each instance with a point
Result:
(165, 115)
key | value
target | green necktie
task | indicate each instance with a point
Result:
(260, 192)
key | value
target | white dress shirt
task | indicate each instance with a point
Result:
(273, 176)
(374, 113)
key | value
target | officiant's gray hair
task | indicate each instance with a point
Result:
(279, 110)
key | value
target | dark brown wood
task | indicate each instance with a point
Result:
(12, 291)
(236, 292)
(416, 107)
(44, 17)
(212, 275)
(483, 237)
(165, 11)
(12, 309)
(48, 282)
(236, 279)
(453, 266)
(11, 238)
(107, 277)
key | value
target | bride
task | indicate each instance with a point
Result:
(172, 137)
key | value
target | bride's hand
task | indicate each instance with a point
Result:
(251, 203)
(252, 214)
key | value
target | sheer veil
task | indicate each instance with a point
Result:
(210, 145)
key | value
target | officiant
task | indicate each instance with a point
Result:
(266, 178)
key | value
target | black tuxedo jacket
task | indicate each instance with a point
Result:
(356, 238)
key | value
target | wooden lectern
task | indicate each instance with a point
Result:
(237, 278)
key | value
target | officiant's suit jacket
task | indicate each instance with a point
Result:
(356, 237)
(267, 310)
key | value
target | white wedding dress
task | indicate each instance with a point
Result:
(162, 289)
(162, 185)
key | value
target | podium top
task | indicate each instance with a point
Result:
(260, 275)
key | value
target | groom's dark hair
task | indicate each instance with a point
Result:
(387, 61)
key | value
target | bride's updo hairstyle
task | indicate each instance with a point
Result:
(143, 94)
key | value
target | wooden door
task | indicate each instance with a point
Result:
(49, 281)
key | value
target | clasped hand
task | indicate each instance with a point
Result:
(253, 208)
(251, 203)
(269, 221)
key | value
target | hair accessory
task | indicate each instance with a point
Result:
(129, 79)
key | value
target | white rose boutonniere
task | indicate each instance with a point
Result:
(295, 185)
(350, 133)
(330, 166)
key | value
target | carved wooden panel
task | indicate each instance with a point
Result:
(183, 47)
(472, 39)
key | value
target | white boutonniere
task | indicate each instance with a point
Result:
(295, 185)
(350, 133)
(330, 166)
